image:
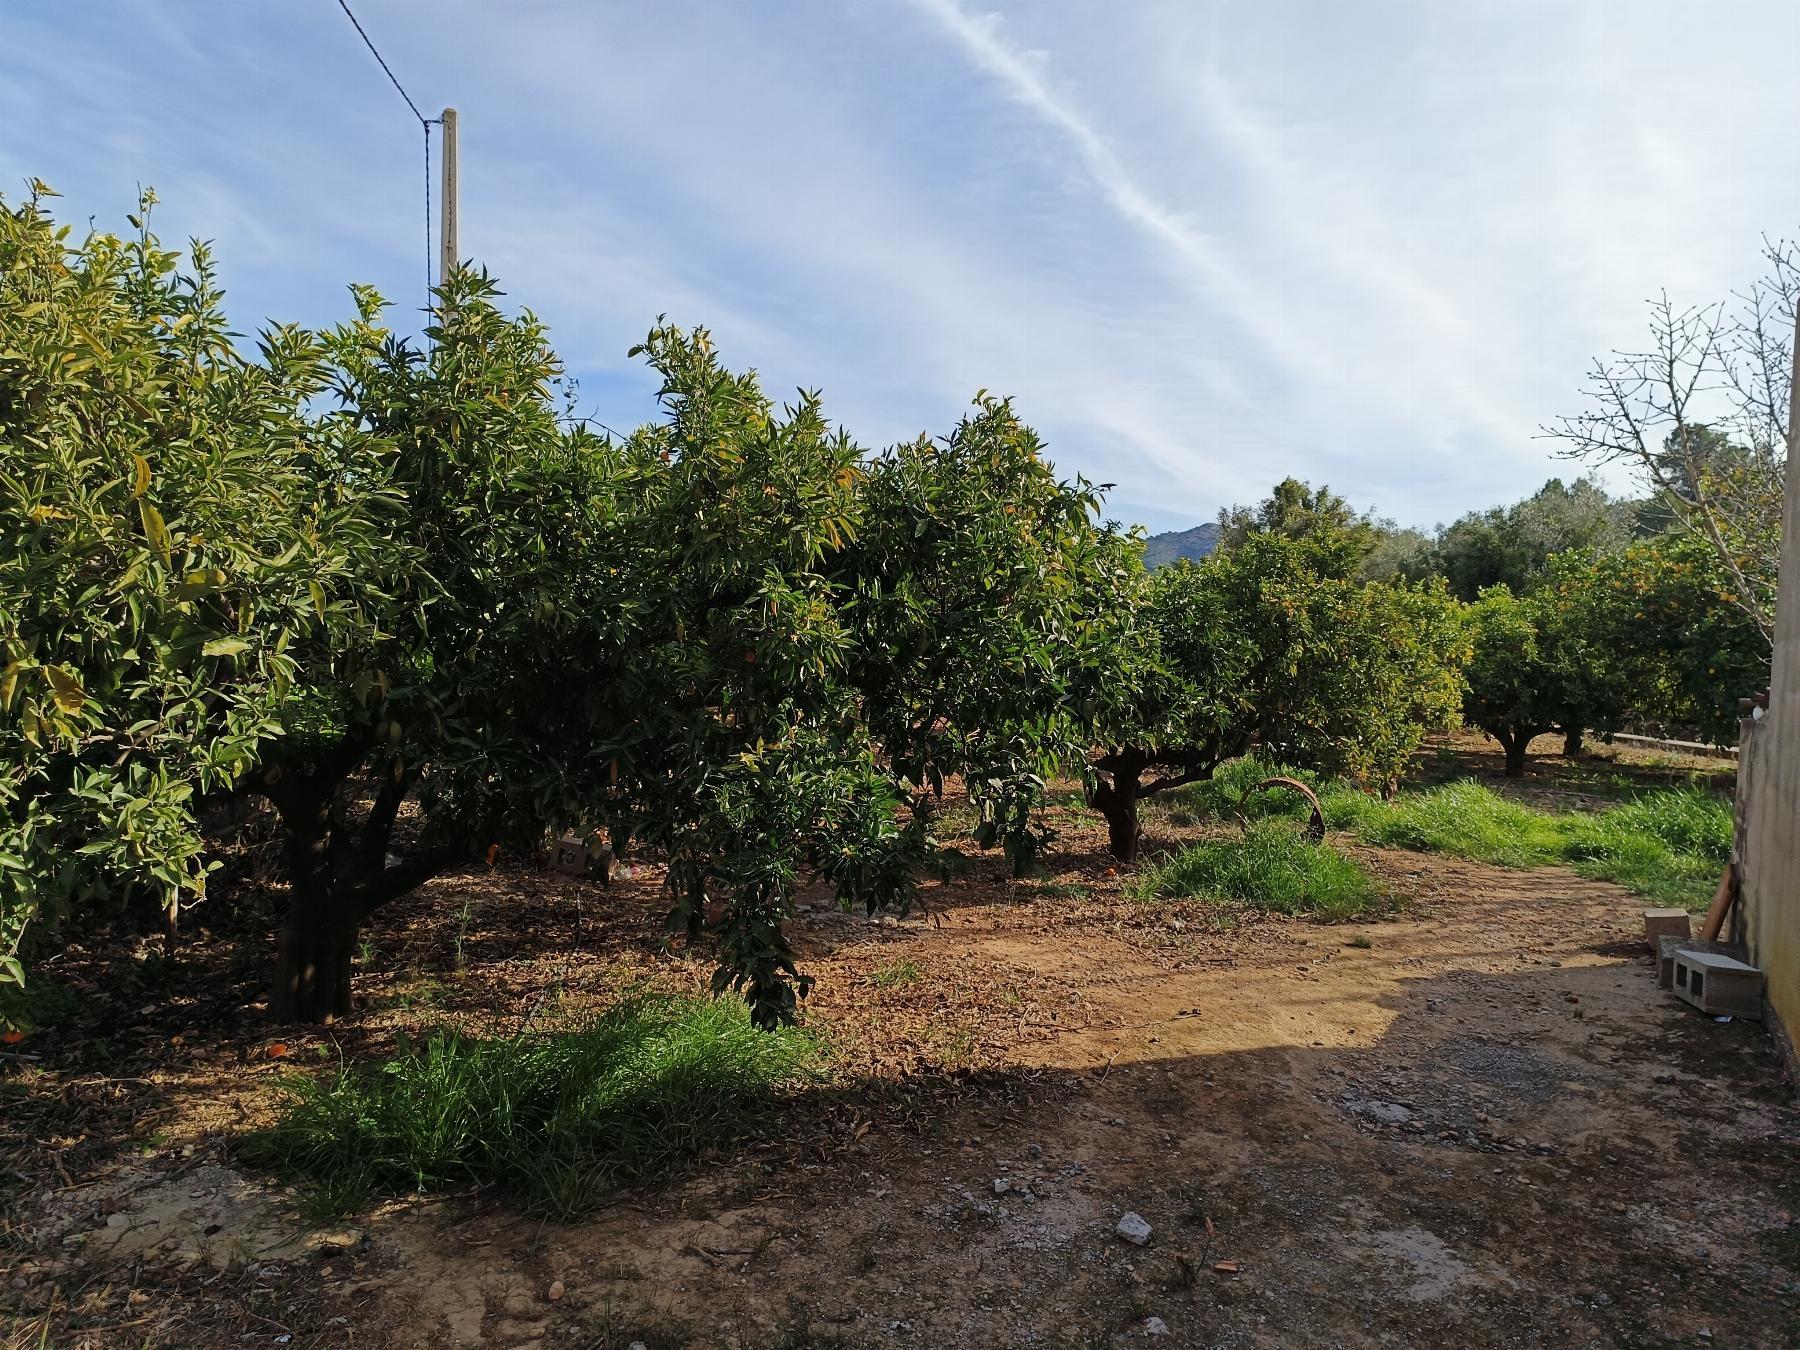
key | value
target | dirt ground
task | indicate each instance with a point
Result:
(1474, 1122)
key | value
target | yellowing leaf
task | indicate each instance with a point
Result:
(155, 531)
(66, 686)
(140, 475)
(225, 646)
(318, 597)
(9, 682)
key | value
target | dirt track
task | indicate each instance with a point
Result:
(1537, 1184)
(1475, 1123)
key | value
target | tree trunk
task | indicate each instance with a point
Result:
(1572, 742)
(1118, 802)
(1515, 754)
(312, 968)
(318, 940)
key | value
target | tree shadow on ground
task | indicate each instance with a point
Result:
(1548, 1155)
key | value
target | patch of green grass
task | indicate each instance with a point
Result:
(1219, 795)
(559, 1120)
(1668, 845)
(1274, 868)
(901, 971)
(1464, 819)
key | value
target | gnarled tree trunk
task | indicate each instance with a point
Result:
(1573, 740)
(1118, 802)
(1118, 794)
(312, 964)
(335, 881)
(1514, 741)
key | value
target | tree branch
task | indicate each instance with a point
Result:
(393, 882)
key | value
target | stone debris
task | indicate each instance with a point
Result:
(1132, 1228)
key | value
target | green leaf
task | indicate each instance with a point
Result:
(225, 646)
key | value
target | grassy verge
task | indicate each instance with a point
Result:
(1273, 868)
(1667, 845)
(558, 1120)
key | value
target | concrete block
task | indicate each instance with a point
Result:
(570, 854)
(1666, 947)
(1718, 984)
(1660, 923)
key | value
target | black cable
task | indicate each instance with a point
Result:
(384, 65)
(424, 122)
(428, 210)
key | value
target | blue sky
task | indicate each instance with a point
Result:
(1204, 245)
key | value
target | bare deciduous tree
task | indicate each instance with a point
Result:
(1701, 417)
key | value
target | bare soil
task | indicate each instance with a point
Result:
(1473, 1121)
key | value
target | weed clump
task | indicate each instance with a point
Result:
(1273, 868)
(558, 1119)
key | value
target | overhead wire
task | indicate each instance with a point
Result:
(425, 123)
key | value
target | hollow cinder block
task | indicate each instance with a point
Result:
(1718, 984)
(1661, 923)
(1666, 947)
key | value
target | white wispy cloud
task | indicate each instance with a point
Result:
(1204, 245)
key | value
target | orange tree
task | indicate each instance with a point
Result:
(1670, 606)
(467, 698)
(176, 534)
(636, 635)
(1512, 691)
(1273, 645)
(986, 598)
(738, 732)
(1647, 634)
(1558, 658)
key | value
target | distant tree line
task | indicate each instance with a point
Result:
(1587, 612)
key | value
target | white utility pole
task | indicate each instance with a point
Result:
(448, 257)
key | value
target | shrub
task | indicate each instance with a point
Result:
(1273, 868)
(557, 1119)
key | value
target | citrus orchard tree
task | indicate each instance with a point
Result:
(1510, 678)
(1563, 657)
(1647, 634)
(1274, 645)
(741, 745)
(977, 585)
(174, 531)
(1668, 609)
(495, 592)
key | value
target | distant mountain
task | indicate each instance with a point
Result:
(1196, 543)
